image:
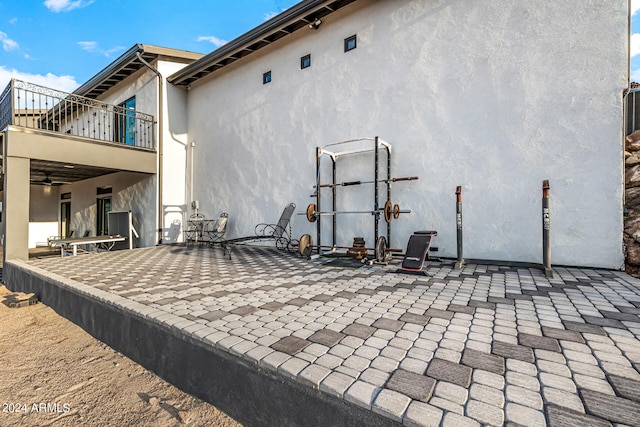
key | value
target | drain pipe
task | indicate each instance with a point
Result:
(160, 144)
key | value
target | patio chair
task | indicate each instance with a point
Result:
(213, 231)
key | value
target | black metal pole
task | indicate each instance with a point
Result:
(375, 192)
(546, 231)
(333, 191)
(388, 181)
(460, 261)
(318, 230)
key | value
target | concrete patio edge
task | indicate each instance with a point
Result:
(248, 393)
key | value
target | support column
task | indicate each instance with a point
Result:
(16, 207)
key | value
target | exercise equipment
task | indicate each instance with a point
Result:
(546, 237)
(346, 184)
(382, 253)
(381, 151)
(390, 212)
(417, 250)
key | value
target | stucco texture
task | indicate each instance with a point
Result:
(493, 95)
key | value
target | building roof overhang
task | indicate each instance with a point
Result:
(301, 15)
(128, 63)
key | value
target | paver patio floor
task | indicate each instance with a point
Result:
(488, 345)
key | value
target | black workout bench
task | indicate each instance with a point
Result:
(417, 251)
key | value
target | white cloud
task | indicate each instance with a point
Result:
(269, 15)
(63, 83)
(94, 47)
(7, 43)
(13, 21)
(66, 5)
(635, 6)
(217, 42)
(88, 46)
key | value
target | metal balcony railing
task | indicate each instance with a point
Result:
(37, 107)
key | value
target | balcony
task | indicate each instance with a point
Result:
(27, 105)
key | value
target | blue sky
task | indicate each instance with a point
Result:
(63, 43)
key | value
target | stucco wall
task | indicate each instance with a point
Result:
(492, 95)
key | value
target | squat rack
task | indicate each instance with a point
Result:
(378, 145)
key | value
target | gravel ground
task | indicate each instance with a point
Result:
(52, 373)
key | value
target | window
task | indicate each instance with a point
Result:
(102, 220)
(266, 78)
(305, 62)
(350, 43)
(125, 122)
(65, 196)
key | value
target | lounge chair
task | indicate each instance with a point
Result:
(280, 232)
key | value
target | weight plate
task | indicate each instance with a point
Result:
(396, 211)
(381, 246)
(388, 211)
(305, 246)
(311, 212)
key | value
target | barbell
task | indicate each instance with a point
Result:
(348, 183)
(382, 253)
(390, 212)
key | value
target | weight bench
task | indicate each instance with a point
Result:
(417, 251)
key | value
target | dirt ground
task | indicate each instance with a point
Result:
(52, 373)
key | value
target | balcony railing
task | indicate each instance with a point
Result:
(37, 107)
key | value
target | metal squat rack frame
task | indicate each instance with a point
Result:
(378, 145)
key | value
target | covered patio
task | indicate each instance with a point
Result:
(273, 339)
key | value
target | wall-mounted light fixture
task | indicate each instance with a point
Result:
(315, 24)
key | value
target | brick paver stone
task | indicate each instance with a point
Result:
(214, 315)
(322, 298)
(484, 361)
(484, 413)
(362, 394)
(497, 300)
(513, 351)
(620, 316)
(562, 334)
(422, 415)
(451, 372)
(584, 328)
(391, 404)
(345, 294)
(626, 387)
(417, 387)
(272, 306)
(388, 324)
(435, 312)
(418, 319)
(457, 308)
(534, 341)
(358, 330)
(614, 409)
(563, 417)
(299, 302)
(326, 337)
(482, 304)
(603, 321)
(290, 345)
(244, 310)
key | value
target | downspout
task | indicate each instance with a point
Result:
(160, 144)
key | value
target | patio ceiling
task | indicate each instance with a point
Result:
(54, 173)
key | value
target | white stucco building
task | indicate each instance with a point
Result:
(494, 96)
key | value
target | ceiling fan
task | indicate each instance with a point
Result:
(48, 181)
